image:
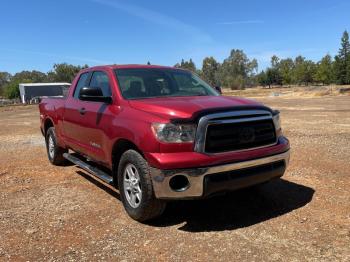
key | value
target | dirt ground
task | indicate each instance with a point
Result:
(62, 214)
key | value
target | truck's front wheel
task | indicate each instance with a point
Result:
(54, 152)
(135, 187)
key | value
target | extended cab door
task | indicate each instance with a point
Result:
(86, 122)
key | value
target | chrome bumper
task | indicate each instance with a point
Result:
(195, 176)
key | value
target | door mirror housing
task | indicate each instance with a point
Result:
(94, 94)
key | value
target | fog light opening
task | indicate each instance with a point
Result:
(179, 183)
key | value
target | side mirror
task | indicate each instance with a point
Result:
(218, 88)
(94, 94)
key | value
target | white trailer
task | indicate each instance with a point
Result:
(30, 91)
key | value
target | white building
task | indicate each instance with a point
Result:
(29, 91)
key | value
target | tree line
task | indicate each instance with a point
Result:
(60, 73)
(301, 71)
(237, 71)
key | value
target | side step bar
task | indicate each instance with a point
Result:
(89, 168)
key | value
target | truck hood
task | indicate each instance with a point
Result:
(185, 107)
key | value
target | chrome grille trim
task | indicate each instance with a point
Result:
(227, 118)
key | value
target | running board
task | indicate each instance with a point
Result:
(89, 168)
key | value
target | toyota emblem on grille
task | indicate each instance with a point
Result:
(246, 135)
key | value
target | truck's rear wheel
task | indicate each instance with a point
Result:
(135, 187)
(54, 152)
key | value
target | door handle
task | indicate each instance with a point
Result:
(82, 111)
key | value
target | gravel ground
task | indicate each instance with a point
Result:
(50, 213)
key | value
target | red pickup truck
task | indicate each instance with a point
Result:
(161, 133)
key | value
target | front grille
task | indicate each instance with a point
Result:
(225, 137)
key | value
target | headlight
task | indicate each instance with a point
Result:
(277, 122)
(172, 133)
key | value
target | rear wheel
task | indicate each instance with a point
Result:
(54, 152)
(135, 187)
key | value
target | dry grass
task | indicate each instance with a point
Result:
(293, 91)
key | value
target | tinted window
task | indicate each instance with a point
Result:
(146, 83)
(100, 79)
(81, 83)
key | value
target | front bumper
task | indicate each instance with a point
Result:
(204, 181)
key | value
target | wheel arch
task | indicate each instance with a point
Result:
(119, 147)
(47, 124)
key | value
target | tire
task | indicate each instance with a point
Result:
(54, 152)
(134, 180)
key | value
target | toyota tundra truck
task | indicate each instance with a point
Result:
(161, 133)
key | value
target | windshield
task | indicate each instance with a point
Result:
(153, 82)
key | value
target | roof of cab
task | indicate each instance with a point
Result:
(130, 66)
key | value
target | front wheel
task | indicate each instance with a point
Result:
(135, 187)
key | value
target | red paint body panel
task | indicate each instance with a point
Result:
(95, 133)
(181, 160)
(184, 107)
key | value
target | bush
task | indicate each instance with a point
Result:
(237, 83)
(12, 88)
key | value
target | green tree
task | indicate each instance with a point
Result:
(252, 72)
(304, 71)
(342, 61)
(32, 76)
(275, 61)
(237, 70)
(209, 70)
(270, 76)
(310, 72)
(273, 75)
(5, 78)
(324, 70)
(262, 78)
(285, 68)
(275, 72)
(64, 72)
(188, 65)
(12, 88)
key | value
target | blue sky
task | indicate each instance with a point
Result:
(36, 34)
